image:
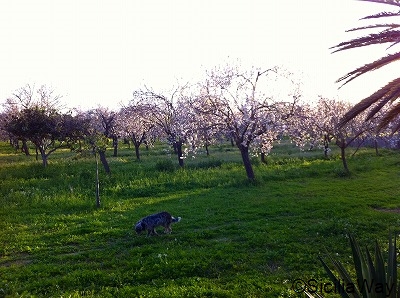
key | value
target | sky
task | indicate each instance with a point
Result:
(95, 52)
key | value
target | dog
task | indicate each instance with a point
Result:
(150, 222)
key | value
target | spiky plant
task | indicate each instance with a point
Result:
(387, 95)
(373, 278)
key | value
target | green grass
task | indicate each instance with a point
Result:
(236, 238)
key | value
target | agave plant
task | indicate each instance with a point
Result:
(387, 95)
(373, 278)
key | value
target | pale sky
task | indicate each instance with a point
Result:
(97, 52)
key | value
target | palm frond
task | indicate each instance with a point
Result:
(389, 114)
(383, 14)
(391, 36)
(388, 93)
(390, 2)
(368, 67)
(377, 108)
(389, 117)
(395, 128)
(392, 45)
(387, 26)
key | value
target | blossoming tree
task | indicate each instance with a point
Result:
(250, 106)
(171, 112)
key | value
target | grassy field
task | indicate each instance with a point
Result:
(236, 238)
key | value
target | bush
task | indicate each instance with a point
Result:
(374, 279)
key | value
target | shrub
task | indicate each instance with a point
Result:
(373, 279)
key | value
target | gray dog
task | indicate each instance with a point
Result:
(150, 222)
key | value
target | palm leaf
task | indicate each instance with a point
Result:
(386, 36)
(390, 2)
(369, 67)
(391, 91)
(389, 117)
(377, 108)
(388, 93)
(387, 26)
(381, 15)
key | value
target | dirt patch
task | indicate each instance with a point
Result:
(391, 210)
(17, 261)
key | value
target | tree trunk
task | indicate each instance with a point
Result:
(137, 144)
(341, 143)
(115, 146)
(103, 160)
(25, 148)
(137, 150)
(43, 155)
(326, 146)
(376, 147)
(263, 159)
(97, 182)
(175, 147)
(207, 150)
(146, 144)
(244, 151)
(179, 152)
(344, 160)
(15, 144)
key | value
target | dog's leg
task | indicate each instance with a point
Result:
(167, 228)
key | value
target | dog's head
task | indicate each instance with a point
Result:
(139, 227)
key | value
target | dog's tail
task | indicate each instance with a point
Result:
(176, 219)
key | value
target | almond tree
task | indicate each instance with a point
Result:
(385, 136)
(36, 117)
(94, 140)
(4, 135)
(134, 123)
(302, 128)
(96, 135)
(314, 126)
(25, 98)
(172, 114)
(207, 132)
(388, 94)
(108, 121)
(245, 106)
(319, 126)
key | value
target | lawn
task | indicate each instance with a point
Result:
(236, 238)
